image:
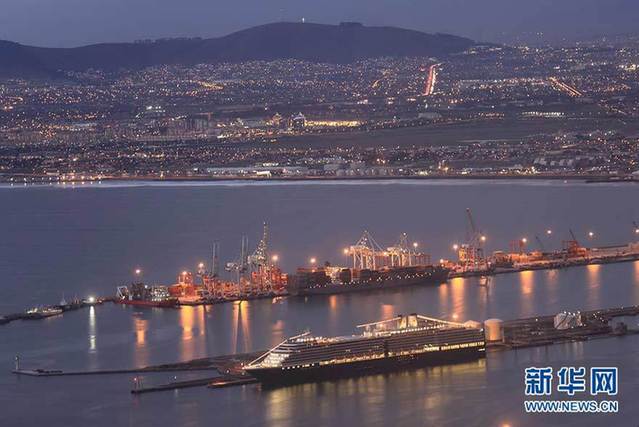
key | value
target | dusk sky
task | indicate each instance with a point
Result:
(76, 22)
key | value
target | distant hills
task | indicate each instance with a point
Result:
(342, 43)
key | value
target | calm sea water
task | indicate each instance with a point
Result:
(80, 241)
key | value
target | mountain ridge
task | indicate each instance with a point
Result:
(343, 43)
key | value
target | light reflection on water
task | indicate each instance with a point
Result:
(141, 351)
(92, 330)
(458, 294)
(526, 286)
(594, 284)
(416, 393)
(241, 328)
(193, 324)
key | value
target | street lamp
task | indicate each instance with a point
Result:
(455, 246)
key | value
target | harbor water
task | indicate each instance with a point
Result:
(85, 240)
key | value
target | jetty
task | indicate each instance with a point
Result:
(500, 335)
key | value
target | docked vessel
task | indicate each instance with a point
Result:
(143, 295)
(373, 268)
(332, 281)
(398, 343)
(42, 312)
(472, 270)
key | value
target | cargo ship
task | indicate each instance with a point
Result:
(143, 295)
(330, 280)
(402, 342)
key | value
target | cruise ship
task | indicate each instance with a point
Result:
(399, 343)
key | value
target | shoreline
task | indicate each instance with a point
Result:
(37, 180)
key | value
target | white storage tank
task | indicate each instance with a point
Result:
(494, 330)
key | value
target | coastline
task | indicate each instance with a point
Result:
(35, 180)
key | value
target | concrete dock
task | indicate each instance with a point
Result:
(519, 333)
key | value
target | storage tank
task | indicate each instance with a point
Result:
(493, 330)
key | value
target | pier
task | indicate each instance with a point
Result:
(228, 369)
(513, 334)
(46, 311)
(578, 326)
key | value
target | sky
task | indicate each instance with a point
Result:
(65, 23)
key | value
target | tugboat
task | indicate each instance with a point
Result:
(143, 295)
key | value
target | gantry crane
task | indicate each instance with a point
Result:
(365, 252)
(471, 253)
(404, 254)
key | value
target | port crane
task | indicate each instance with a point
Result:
(365, 252)
(404, 254)
(260, 265)
(240, 267)
(215, 259)
(255, 273)
(571, 247)
(259, 257)
(471, 253)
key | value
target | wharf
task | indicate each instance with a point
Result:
(576, 262)
(225, 365)
(516, 334)
(228, 368)
(8, 318)
(219, 381)
(541, 330)
(548, 265)
(235, 298)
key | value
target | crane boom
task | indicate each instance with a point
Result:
(572, 234)
(471, 222)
